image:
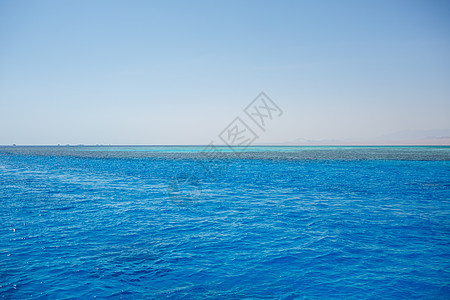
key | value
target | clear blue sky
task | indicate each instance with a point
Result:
(177, 72)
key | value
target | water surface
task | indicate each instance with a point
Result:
(267, 222)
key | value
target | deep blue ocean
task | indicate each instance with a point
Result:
(267, 222)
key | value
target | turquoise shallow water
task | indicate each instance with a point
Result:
(271, 222)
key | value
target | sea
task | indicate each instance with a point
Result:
(195, 222)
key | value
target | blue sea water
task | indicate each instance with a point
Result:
(268, 222)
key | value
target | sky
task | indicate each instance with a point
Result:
(178, 72)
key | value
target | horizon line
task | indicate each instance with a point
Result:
(235, 146)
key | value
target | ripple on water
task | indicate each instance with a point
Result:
(371, 224)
